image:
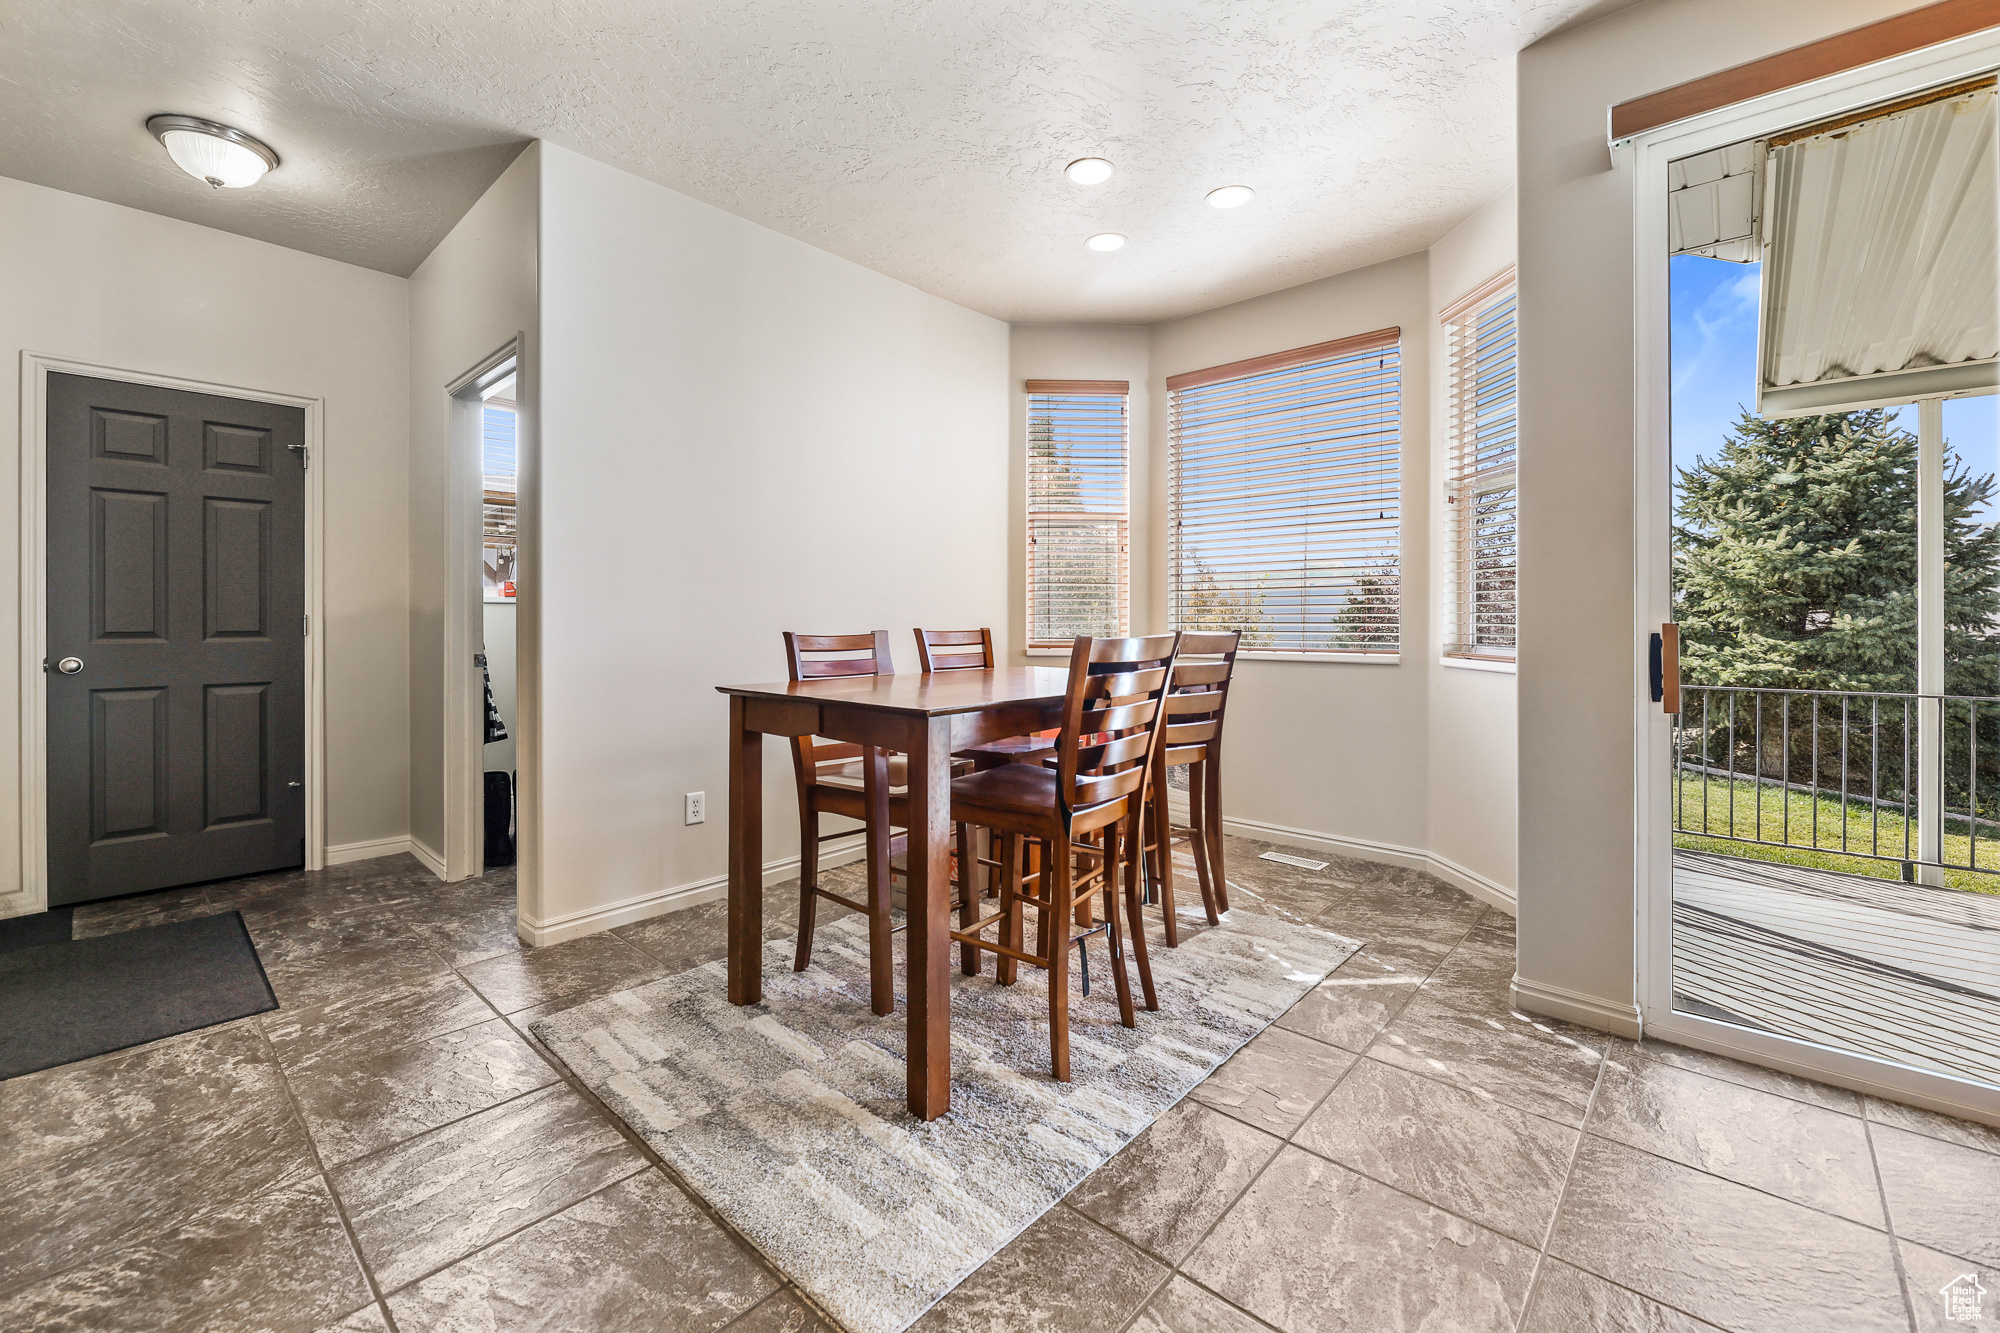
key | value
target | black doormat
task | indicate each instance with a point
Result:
(78, 998)
(25, 932)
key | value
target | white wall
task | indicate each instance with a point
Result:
(740, 435)
(1581, 661)
(475, 291)
(1472, 712)
(1339, 747)
(1082, 352)
(117, 287)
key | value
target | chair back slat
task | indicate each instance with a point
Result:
(1115, 721)
(1097, 788)
(1185, 705)
(1188, 674)
(1124, 684)
(1112, 717)
(1115, 754)
(1192, 733)
(832, 655)
(977, 643)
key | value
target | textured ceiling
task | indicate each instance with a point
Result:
(923, 138)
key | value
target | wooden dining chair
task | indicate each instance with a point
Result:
(954, 649)
(1085, 807)
(972, 650)
(1192, 740)
(860, 782)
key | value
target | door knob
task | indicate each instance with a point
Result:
(69, 666)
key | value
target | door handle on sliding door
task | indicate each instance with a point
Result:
(1666, 668)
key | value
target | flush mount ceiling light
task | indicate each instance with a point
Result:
(1105, 240)
(211, 152)
(1231, 196)
(1088, 171)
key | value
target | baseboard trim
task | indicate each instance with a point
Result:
(1489, 891)
(575, 925)
(1591, 1011)
(366, 851)
(432, 858)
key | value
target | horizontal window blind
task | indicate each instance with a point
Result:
(1481, 569)
(499, 427)
(1285, 498)
(1078, 510)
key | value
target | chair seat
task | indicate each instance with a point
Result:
(1012, 748)
(1027, 792)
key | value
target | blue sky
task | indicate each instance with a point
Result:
(1714, 368)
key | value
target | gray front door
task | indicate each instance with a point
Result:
(176, 557)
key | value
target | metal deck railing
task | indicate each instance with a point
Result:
(1842, 771)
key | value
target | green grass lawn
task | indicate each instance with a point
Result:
(1761, 812)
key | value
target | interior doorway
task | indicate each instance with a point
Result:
(499, 424)
(487, 425)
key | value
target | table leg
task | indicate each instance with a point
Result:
(929, 917)
(746, 859)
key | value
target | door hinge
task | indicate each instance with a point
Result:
(305, 454)
(306, 625)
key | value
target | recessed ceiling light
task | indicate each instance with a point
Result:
(211, 152)
(1105, 240)
(1231, 196)
(1088, 171)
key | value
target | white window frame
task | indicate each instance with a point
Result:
(1390, 338)
(1458, 323)
(1121, 515)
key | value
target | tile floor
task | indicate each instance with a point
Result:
(391, 1150)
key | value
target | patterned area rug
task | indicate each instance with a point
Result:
(788, 1116)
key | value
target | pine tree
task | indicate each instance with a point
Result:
(1209, 608)
(1370, 618)
(1795, 561)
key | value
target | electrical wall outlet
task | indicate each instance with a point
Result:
(697, 807)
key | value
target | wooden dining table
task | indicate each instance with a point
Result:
(926, 717)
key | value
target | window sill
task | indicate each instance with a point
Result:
(1477, 664)
(1362, 659)
(1261, 655)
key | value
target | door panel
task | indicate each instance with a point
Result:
(176, 558)
(236, 569)
(128, 583)
(128, 760)
(234, 750)
(235, 448)
(128, 437)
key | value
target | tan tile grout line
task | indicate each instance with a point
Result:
(484, 1246)
(319, 1165)
(1285, 1140)
(1889, 1220)
(560, 1077)
(1562, 1197)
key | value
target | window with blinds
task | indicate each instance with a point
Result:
(1480, 494)
(1286, 498)
(1079, 563)
(498, 437)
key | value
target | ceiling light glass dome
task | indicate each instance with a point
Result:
(213, 153)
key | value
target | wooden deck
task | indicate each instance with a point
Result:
(1898, 971)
